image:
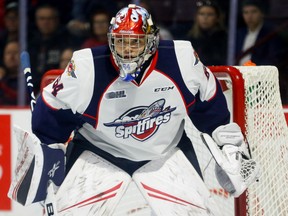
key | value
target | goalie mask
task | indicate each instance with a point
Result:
(133, 38)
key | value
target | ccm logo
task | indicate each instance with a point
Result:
(163, 89)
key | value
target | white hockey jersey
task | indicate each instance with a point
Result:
(126, 119)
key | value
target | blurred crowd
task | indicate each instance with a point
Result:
(57, 28)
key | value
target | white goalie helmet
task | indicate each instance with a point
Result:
(133, 38)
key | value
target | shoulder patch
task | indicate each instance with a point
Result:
(71, 69)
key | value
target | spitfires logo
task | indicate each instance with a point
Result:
(141, 122)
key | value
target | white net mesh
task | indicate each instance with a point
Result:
(267, 134)
(266, 131)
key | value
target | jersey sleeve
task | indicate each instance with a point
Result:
(207, 115)
(58, 110)
(210, 107)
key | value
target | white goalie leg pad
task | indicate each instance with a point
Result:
(34, 168)
(172, 186)
(235, 170)
(93, 186)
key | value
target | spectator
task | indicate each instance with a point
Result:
(99, 26)
(79, 24)
(164, 33)
(66, 55)
(2, 72)
(208, 34)
(257, 41)
(64, 8)
(283, 66)
(11, 24)
(9, 81)
(47, 42)
(2, 6)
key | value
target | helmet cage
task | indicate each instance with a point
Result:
(132, 38)
(130, 61)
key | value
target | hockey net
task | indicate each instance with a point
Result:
(254, 100)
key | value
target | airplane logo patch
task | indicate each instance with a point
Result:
(71, 69)
(142, 122)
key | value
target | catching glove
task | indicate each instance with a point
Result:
(235, 170)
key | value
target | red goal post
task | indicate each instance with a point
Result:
(254, 101)
(238, 107)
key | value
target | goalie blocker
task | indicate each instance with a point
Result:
(234, 169)
(35, 168)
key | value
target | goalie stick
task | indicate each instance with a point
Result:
(26, 68)
(34, 166)
(213, 148)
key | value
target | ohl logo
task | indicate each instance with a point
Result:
(141, 122)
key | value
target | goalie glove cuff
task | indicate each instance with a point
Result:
(231, 134)
(228, 134)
